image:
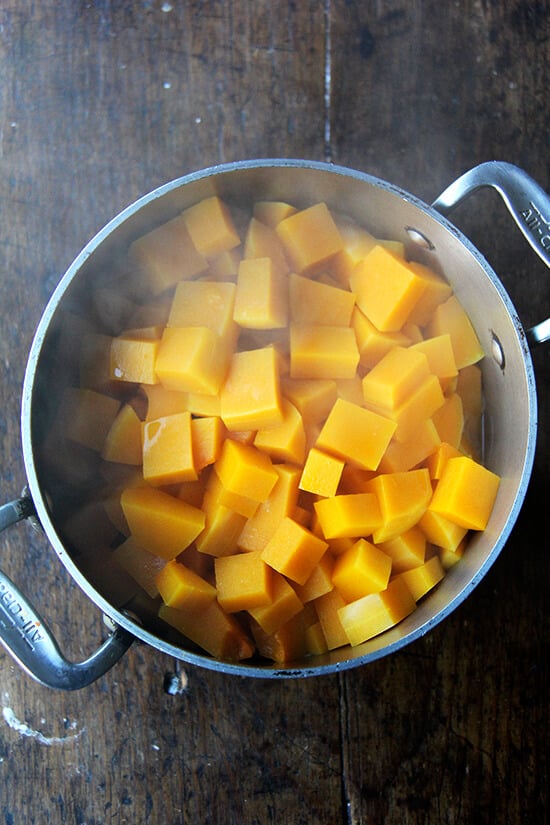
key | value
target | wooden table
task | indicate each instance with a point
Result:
(102, 102)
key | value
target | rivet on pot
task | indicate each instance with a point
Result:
(419, 238)
(496, 351)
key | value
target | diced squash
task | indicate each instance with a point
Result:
(123, 441)
(224, 267)
(222, 529)
(401, 456)
(293, 550)
(205, 364)
(281, 502)
(251, 394)
(318, 351)
(312, 302)
(350, 515)
(436, 461)
(134, 360)
(421, 579)
(168, 450)
(262, 242)
(312, 397)
(211, 629)
(465, 493)
(243, 581)
(273, 212)
(386, 289)
(370, 615)
(356, 434)
(284, 605)
(141, 565)
(86, 416)
(403, 499)
(287, 441)
(357, 243)
(261, 300)
(161, 524)
(451, 318)
(321, 474)
(310, 237)
(441, 532)
(391, 382)
(327, 608)
(205, 304)
(206, 437)
(371, 342)
(202, 404)
(350, 389)
(161, 402)
(362, 569)
(437, 290)
(440, 355)
(318, 582)
(221, 496)
(418, 407)
(289, 642)
(166, 255)
(211, 227)
(407, 550)
(246, 471)
(315, 639)
(449, 420)
(182, 588)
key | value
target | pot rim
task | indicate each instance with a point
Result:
(127, 621)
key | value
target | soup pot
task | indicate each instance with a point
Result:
(510, 424)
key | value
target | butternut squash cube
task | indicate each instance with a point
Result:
(284, 605)
(161, 402)
(440, 355)
(261, 300)
(422, 579)
(403, 499)
(272, 212)
(86, 416)
(205, 304)
(437, 290)
(465, 493)
(321, 473)
(287, 441)
(372, 343)
(362, 569)
(318, 351)
(211, 227)
(441, 532)
(419, 406)
(222, 528)
(211, 629)
(436, 461)
(310, 237)
(245, 470)
(394, 378)
(182, 588)
(312, 397)
(315, 639)
(160, 523)
(166, 255)
(281, 502)
(191, 359)
(289, 641)
(449, 420)
(349, 515)
(243, 581)
(386, 289)
(357, 243)
(327, 608)
(201, 404)
(142, 566)
(134, 360)
(318, 582)
(355, 434)
(293, 550)
(251, 394)
(123, 441)
(373, 614)
(314, 302)
(407, 550)
(450, 317)
(206, 437)
(262, 242)
(402, 456)
(224, 267)
(168, 450)
(237, 502)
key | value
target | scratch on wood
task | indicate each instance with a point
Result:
(25, 730)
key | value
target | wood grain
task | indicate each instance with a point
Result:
(100, 103)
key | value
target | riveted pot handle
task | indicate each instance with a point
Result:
(527, 202)
(26, 637)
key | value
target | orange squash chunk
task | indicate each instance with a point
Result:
(284, 605)
(211, 227)
(161, 402)
(310, 237)
(273, 212)
(318, 582)
(420, 580)
(465, 493)
(281, 502)
(293, 550)
(86, 416)
(327, 608)
(401, 456)
(261, 300)
(449, 420)
(168, 450)
(243, 581)
(356, 434)
(205, 304)
(207, 438)
(403, 499)
(372, 343)
(318, 351)
(440, 355)
(440, 531)
(262, 242)
(123, 441)
(182, 588)
(141, 565)
(222, 528)
(394, 378)
(287, 441)
(437, 290)
(211, 629)
(450, 317)
(321, 473)
(373, 614)
(314, 302)
(246, 471)
(406, 550)
(362, 569)
(191, 359)
(349, 515)
(313, 398)
(161, 524)
(289, 642)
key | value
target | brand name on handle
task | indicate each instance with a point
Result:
(29, 628)
(537, 224)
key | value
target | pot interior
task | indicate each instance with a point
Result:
(64, 478)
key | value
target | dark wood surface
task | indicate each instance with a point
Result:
(101, 102)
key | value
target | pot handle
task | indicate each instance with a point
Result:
(527, 202)
(25, 636)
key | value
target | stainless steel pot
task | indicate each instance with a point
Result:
(509, 386)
